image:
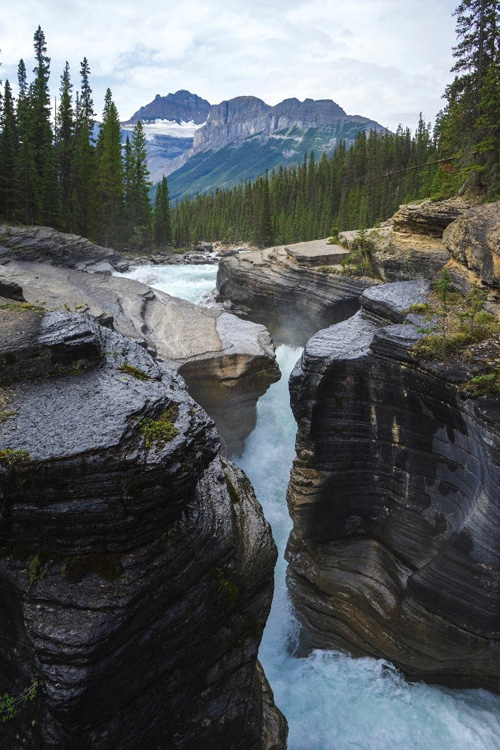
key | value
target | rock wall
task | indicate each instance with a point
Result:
(136, 567)
(292, 299)
(394, 496)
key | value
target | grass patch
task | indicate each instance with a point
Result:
(135, 372)
(6, 414)
(21, 307)
(12, 456)
(162, 429)
(452, 322)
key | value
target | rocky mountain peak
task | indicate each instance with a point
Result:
(183, 106)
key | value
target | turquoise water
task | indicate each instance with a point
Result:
(333, 702)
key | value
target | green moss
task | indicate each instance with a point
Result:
(233, 492)
(162, 429)
(21, 307)
(6, 414)
(35, 570)
(107, 566)
(421, 308)
(228, 592)
(482, 385)
(12, 456)
(135, 372)
(328, 269)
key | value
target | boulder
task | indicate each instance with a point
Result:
(228, 363)
(136, 566)
(47, 245)
(394, 496)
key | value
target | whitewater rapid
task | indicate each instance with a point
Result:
(332, 702)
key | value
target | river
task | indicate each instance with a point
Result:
(332, 702)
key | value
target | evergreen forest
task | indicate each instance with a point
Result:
(54, 171)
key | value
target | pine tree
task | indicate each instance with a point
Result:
(65, 146)
(470, 126)
(9, 147)
(137, 205)
(161, 216)
(26, 169)
(83, 199)
(47, 193)
(109, 174)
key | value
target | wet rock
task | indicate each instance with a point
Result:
(136, 566)
(228, 363)
(394, 498)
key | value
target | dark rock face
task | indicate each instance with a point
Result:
(135, 563)
(394, 497)
(179, 107)
(291, 299)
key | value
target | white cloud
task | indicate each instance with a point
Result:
(385, 59)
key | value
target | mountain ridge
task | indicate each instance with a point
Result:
(252, 135)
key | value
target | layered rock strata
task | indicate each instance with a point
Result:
(411, 244)
(394, 498)
(228, 363)
(136, 567)
(291, 291)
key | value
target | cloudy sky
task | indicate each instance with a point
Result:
(384, 59)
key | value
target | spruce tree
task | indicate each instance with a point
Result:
(47, 192)
(109, 174)
(161, 216)
(9, 147)
(138, 207)
(26, 168)
(470, 126)
(65, 146)
(84, 199)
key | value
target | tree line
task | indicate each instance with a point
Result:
(54, 171)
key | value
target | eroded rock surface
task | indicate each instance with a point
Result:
(63, 249)
(228, 363)
(289, 289)
(136, 567)
(394, 496)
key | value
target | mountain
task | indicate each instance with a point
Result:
(181, 107)
(202, 146)
(245, 136)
